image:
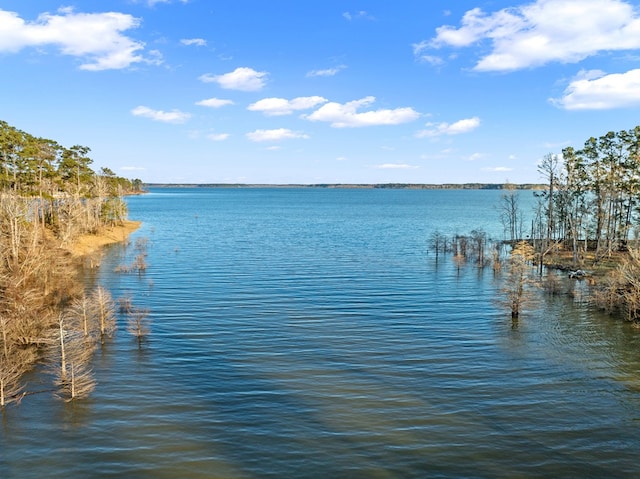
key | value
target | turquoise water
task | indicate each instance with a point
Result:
(311, 333)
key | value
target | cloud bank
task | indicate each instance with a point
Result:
(545, 31)
(596, 90)
(347, 115)
(281, 106)
(95, 38)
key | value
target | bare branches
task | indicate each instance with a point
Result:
(12, 366)
(620, 290)
(137, 318)
(517, 279)
(105, 312)
(48, 196)
(138, 323)
(139, 263)
(71, 359)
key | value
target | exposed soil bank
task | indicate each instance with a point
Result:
(90, 243)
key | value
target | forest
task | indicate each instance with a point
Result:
(587, 216)
(586, 221)
(49, 196)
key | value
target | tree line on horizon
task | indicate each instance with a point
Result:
(49, 196)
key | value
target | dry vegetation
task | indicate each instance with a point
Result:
(45, 315)
(49, 199)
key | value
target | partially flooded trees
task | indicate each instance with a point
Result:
(12, 367)
(105, 312)
(138, 323)
(517, 278)
(510, 213)
(619, 292)
(139, 263)
(73, 375)
(48, 196)
(438, 242)
(137, 318)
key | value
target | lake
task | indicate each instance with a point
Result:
(309, 332)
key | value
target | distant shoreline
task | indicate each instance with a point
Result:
(411, 186)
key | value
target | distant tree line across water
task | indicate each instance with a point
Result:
(404, 186)
(49, 196)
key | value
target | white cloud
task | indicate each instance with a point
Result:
(152, 3)
(498, 169)
(541, 32)
(243, 79)
(395, 166)
(476, 156)
(218, 136)
(214, 102)
(358, 15)
(328, 72)
(173, 116)
(275, 135)
(199, 42)
(281, 106)
(426, 58)
(347, 116)
(598, 91)
(96, 38)
(460, 126)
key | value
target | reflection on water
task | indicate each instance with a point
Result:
(310, 333)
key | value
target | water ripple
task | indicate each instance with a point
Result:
(309, 333)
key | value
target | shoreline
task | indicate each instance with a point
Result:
(408, 186)
(90, 243)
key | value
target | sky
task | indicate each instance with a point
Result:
(320, 91)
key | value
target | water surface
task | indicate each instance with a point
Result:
(312, 333)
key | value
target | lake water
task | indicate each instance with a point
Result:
(310, 333)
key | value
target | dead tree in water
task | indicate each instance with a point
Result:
(517, 278)
(73, 375)
(105, 312)
(438, 242)
(510, 214)
(13, 364)
(620, 291)
(138, 323)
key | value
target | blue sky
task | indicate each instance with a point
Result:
(320, 91)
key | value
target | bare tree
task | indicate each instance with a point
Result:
(438, 242)
(517, 280)
(619, 292)
(105, 308)
(82, 316)
(510, 214)
(73, 376)
(12, 367)
(138, 323)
